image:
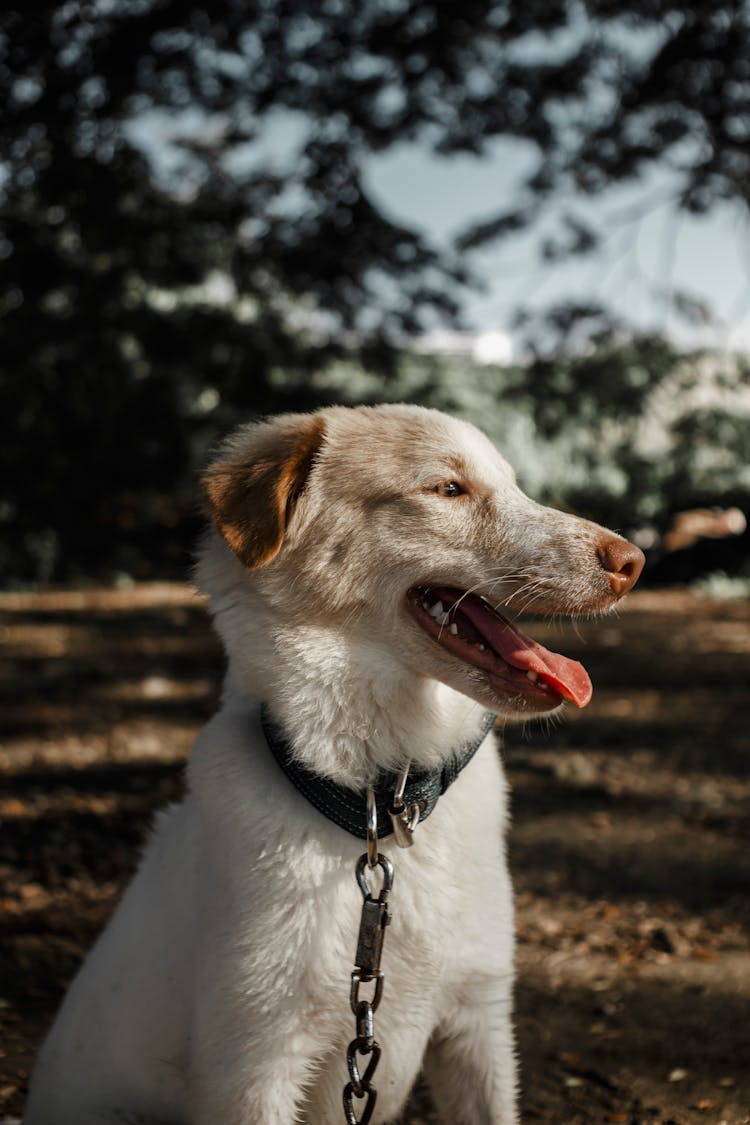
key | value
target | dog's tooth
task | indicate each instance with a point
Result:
(481, 648)
(444, 619)
(437, 610)
(533, 676)
(454, 630)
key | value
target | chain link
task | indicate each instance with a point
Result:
(373, 921)
(364, 1046)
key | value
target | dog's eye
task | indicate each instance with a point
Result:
(450, 488)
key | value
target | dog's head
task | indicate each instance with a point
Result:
(401, 532)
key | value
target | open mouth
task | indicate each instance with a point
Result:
(470, 629)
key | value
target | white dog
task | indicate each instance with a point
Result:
(354, 568)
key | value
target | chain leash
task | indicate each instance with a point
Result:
(364, 1045)
(373, 921)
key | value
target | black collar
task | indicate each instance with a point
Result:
(348, 807)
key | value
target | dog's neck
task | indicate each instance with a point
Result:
(347, 709)
(348, 726)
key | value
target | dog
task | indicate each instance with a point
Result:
(356, 566)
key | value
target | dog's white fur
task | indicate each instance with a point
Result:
(219, 991)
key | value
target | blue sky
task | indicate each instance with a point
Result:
(643, 259)
(650, 251)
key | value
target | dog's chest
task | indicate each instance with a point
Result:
(447, 929)
(285, 916)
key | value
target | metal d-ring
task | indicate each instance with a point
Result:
(372, 829)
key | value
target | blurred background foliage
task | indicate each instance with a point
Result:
(154, 292)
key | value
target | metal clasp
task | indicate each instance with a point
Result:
(404, 818)
(374, 919)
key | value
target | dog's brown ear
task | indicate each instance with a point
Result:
(253, 488)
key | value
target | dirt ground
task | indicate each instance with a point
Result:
(629, 845)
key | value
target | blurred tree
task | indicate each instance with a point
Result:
(159, 270)
(637, 430)
(611, 90)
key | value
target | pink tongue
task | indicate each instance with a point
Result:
(567, 677)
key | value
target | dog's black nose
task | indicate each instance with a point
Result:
(623, 562)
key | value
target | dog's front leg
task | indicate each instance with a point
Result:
(255, 1086)
(471, 1067)
(252, 1059)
